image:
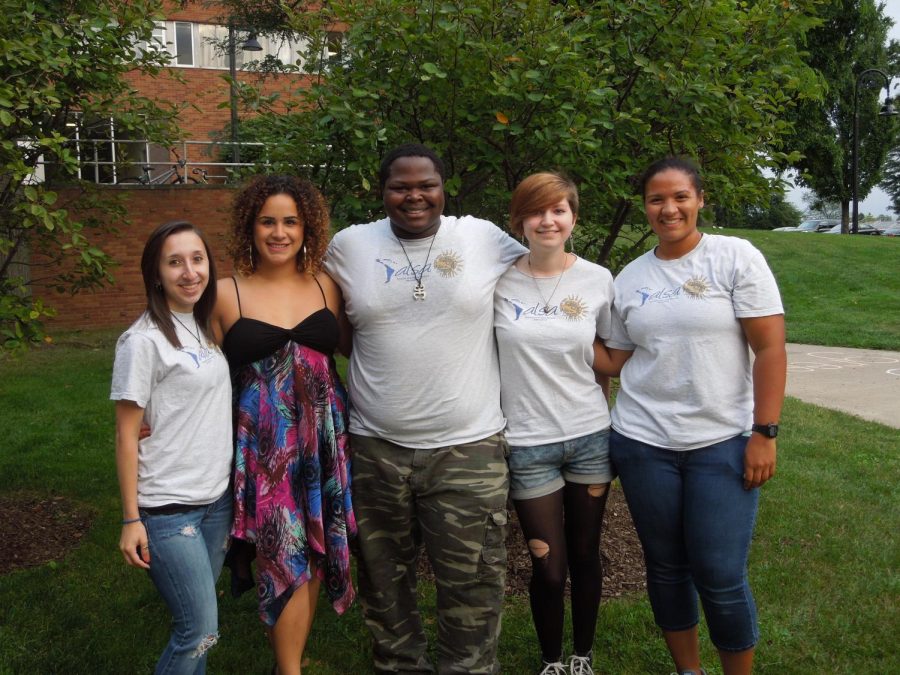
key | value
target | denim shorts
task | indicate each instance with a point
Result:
(539, 470)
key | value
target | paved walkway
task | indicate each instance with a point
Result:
(863, 382)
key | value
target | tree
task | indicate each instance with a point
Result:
(851, 38)
(891, 181)
(63, 65)
(777, 213)
(822, 208)
(503, 88)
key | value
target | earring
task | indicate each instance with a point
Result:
(571, 244)
(250, 255)
(302, 263)
(157, 286)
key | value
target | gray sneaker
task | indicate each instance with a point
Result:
(581, 665)
(554, 668)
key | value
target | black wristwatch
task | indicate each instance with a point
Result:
(769, 430)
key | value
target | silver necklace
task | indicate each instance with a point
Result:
(537, 286)
(204, 351)
(419, 290)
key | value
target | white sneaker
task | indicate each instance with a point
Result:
(581, 665)
(555, 668)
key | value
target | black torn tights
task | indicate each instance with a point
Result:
(566, 525)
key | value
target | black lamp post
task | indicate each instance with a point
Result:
(886, 109)
(250, 45)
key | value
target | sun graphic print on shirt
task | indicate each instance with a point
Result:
(573, 308)
(696, 288)
(448, 263)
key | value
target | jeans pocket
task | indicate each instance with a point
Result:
(504, 445)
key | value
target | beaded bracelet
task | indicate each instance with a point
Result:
(129, 521)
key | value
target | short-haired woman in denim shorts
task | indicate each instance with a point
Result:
(548, 309)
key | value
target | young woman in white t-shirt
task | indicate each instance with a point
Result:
(549, 307)
(176, 501)
(694, 422)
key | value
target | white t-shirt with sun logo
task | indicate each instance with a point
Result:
(547, 387)
(423, 372)
(689, 382)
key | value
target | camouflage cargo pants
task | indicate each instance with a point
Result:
(454, 500)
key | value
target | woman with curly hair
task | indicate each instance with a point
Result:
(279, 321)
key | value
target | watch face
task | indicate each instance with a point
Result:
(769, 430)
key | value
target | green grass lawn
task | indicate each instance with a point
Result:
(838, 290)
(824, 565)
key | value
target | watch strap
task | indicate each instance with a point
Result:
(768, 430)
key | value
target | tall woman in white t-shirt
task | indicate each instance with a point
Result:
(548, 309)
(694, 423)
(176, 505)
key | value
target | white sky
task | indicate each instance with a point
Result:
(877, 202)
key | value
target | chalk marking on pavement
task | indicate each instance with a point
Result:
(836, 361)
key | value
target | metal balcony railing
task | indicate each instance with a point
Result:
(140, 162)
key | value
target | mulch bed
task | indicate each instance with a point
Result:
(36, 530)
(623, 561)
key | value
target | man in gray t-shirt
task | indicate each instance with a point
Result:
(426, 427)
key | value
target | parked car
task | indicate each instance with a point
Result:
(861, 229)
(891, 231)
(814, 225)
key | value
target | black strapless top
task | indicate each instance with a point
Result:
(250, 340)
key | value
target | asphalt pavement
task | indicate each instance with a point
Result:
(862, 382)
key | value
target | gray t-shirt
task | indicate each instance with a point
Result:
(186, 396)
(547, 385)
(423, 373)
(689, 382)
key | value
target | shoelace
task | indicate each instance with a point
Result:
(555, 668)
(580, 665)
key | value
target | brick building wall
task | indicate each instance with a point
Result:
(207, 206)
(201, 92)
(204, 89)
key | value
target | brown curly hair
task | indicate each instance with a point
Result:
(311, 207)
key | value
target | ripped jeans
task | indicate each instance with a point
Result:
(187, 549)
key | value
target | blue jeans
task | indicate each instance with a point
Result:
(187, 549)
(695, 522)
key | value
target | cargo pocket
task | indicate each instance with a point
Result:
(493, 548)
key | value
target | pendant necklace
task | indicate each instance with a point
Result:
(204, 351)
(419, 290)
(538, 287)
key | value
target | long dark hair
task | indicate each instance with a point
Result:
(157, 306)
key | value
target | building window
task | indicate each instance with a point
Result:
(184, 43)
(156, 43)
(212, 47)
(205, 45)
(334, 48)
